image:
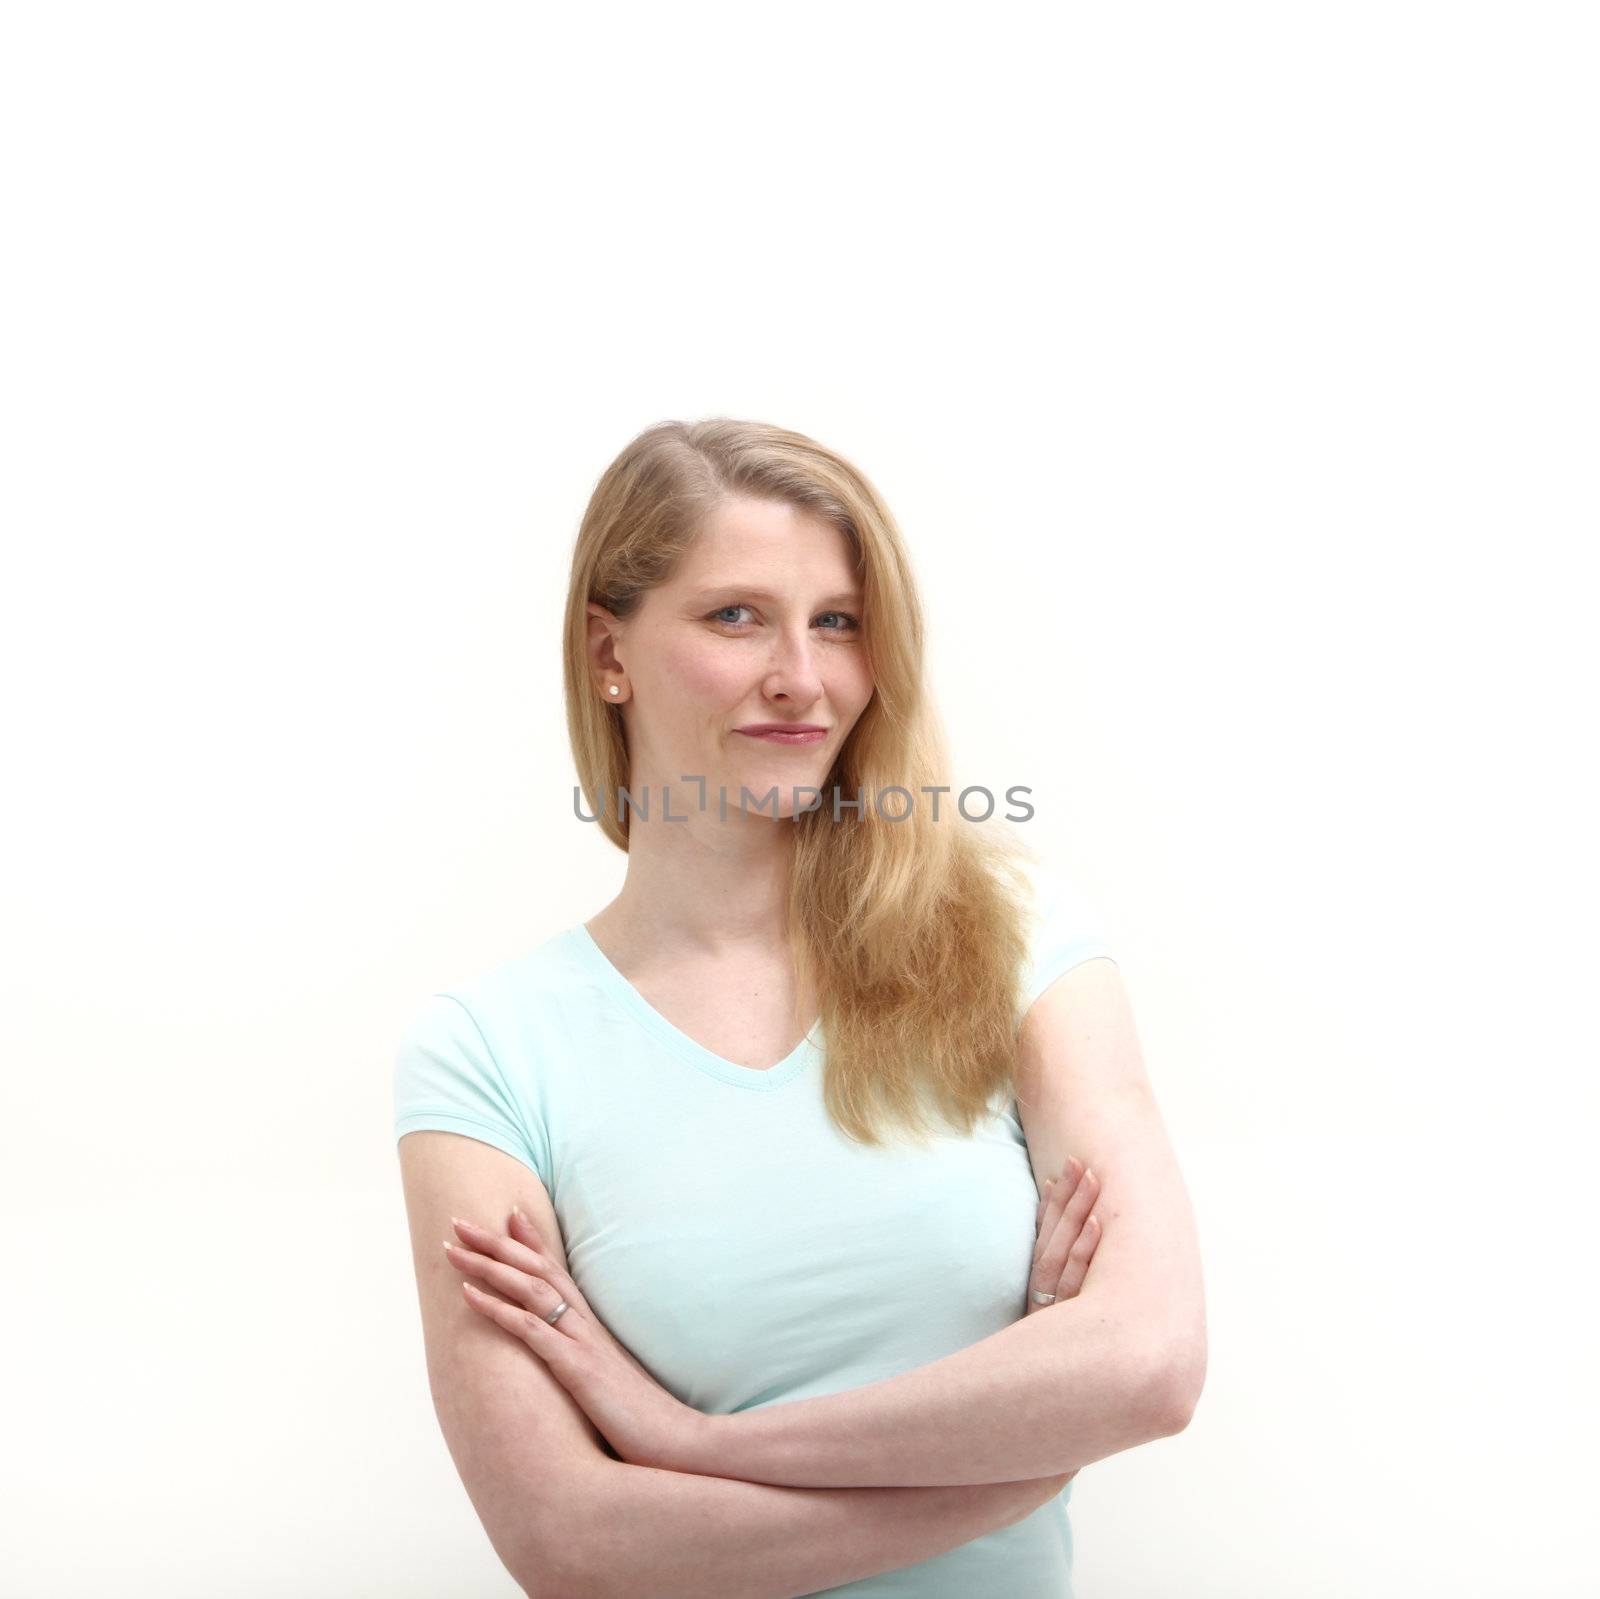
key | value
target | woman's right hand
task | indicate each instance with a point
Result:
(1067, 1231)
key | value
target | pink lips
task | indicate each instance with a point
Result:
(812, 735)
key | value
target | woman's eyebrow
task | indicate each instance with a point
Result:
(705, 596)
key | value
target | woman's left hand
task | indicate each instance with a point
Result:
(645, 1424)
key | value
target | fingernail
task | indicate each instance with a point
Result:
(516, 1210)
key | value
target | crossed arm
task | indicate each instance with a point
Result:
(1116, 1366)
(1051, 1392)
(1120, 1364)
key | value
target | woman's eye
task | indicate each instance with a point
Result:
(846, 623)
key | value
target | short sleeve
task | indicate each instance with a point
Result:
(1068, 928)
(446, 1078)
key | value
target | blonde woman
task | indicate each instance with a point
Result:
(803, 1221)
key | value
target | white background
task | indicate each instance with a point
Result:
(1232, 372)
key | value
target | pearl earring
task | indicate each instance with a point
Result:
(615, 689)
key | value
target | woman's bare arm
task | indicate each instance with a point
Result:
(671, 1533)
(1046, 1394)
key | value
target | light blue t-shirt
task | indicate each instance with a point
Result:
(744, 1250)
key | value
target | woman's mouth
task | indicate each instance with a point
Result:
(813, 735)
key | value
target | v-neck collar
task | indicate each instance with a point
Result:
(581, 943)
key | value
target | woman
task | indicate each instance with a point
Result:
(747, 1285)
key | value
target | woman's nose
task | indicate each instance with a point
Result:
(793, 668)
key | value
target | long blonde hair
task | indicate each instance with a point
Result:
(912, 932)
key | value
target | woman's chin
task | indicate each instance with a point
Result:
(767, 784)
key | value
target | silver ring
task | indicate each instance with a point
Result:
(1043, 1299)
(555, 1315)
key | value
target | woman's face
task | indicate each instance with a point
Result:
(762, 623)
